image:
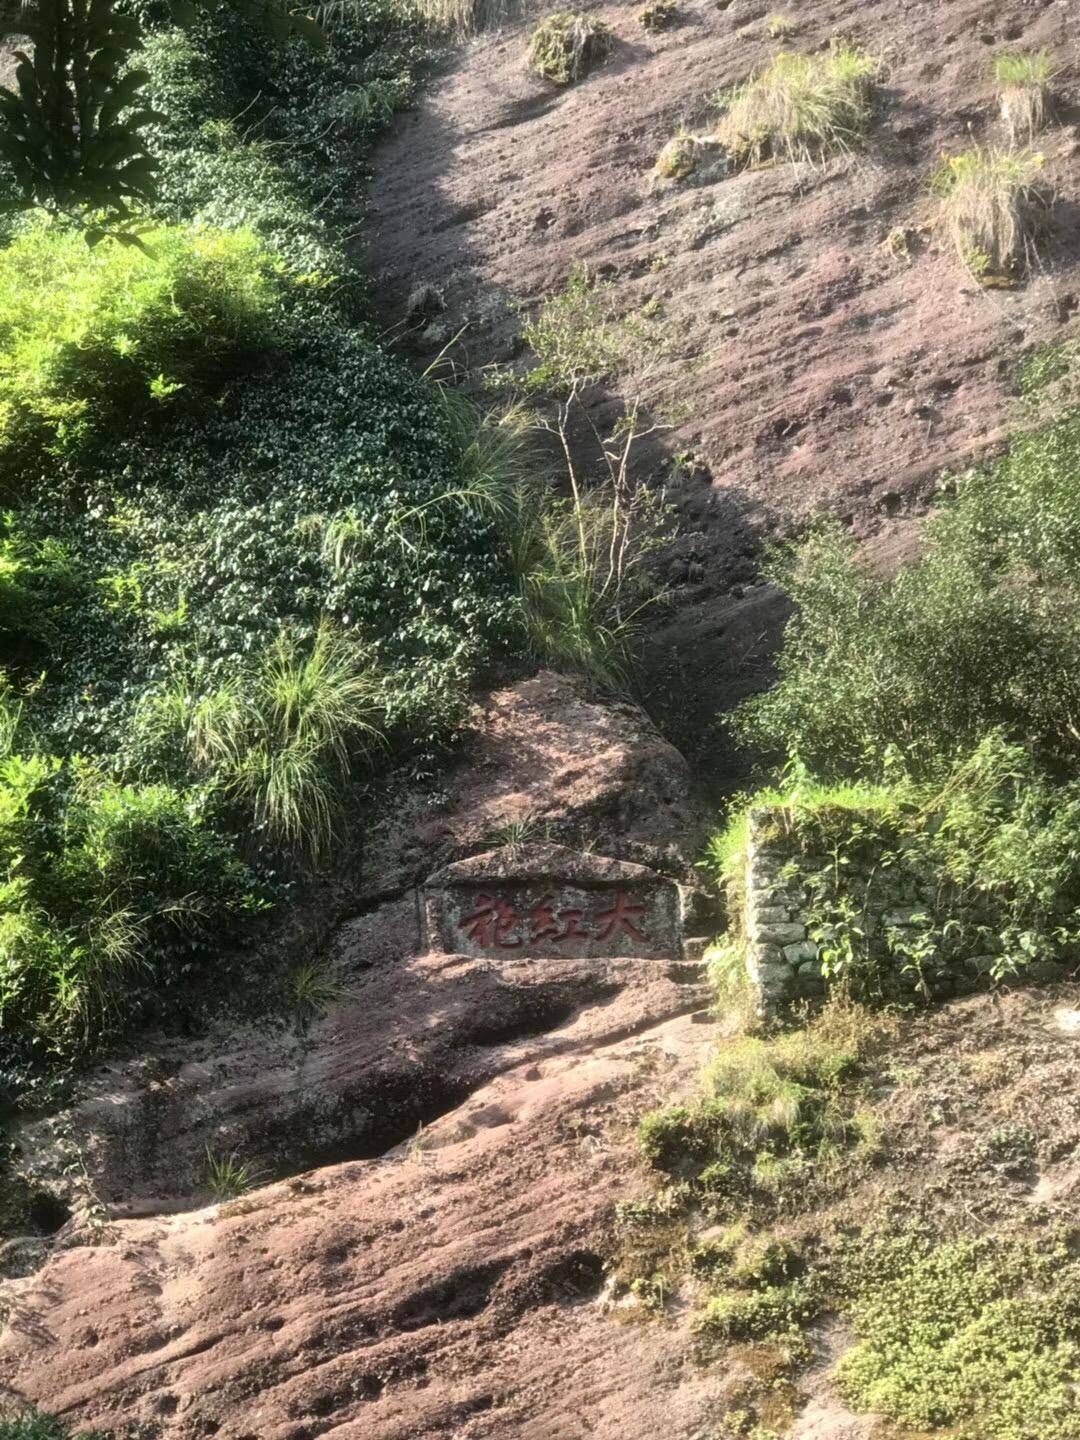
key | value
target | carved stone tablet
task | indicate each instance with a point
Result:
(545, 901)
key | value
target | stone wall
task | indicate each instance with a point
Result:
(899, 926)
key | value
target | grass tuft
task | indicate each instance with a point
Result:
(228, 1177)
(679, 158)
(801, 107)
(660, 15)
(567, 45)
(780, 27)
(1024, 80)
(462, 18)
(989, 204)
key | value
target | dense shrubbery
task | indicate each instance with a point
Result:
(952, 692)
(86, 338)
(983, 631)
(246, 548)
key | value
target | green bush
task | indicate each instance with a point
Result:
(38, 581)
(87, 337)
(981, 632)
(247, 544)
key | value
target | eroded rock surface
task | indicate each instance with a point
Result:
(542, 760)
(449, 1140)
(814, 345)
(427, 1294)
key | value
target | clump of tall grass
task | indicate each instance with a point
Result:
(801, 107)
(281, 738)
(988, 206)
(1024, 80)
(567, 45)
(228, 1177)
(584, 583)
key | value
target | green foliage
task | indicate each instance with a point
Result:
(84, 338)
(990, 851)
(776, 1111)
(38, 582)
(974, 1334)
(1024, 79)
(73, 131)
(576, 337)
(772, 1313)
(283, 735)
(584, 581)
(70, 130)
(981, 632)
(567, 45)
(37, 1425)
(257, 135)
(228, 1177)
(1024, 67)
(210, 611)
(801, 107)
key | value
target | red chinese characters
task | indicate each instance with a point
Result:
(496, 924)
(490, 924)
(620, 918)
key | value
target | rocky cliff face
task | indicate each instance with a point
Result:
(815, 346)
(449, 1139)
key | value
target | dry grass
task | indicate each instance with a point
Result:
(660, 15)
(801, 107)
(462, 18)
(567, 45)
(989, 206)
(1024, 81)
(780, 27)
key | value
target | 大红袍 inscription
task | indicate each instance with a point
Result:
(545, 900)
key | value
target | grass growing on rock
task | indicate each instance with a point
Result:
(977, 1334)
(801, 107)
(990, 205)
(567, 45)
(661, 15)
(1024, 82)
(37, 1425)
(679, 158)
(775, 1107)
(960, 1300)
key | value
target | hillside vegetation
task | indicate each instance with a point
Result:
(245, 554)
(250, 561)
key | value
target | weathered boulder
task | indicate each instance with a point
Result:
(541, 760)
(404, 1034)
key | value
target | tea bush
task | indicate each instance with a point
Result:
(246, 552)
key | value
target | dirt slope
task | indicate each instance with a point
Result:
(819, 370)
